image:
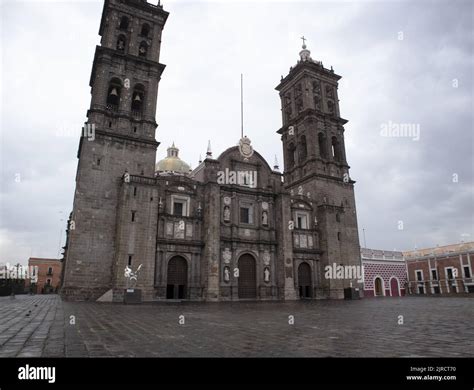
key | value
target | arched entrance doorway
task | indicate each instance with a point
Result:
(378, 287)
(304, 280)
(247, 277)
(394, 288)
(177, 279)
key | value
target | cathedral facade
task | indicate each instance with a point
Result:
(234, 228)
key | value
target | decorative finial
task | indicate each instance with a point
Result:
(275, 164)
(305, 54)
(209, 152)
(304, 41)
(200, 159)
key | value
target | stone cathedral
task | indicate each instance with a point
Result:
(233, 228)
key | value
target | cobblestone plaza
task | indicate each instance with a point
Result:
(45, 326)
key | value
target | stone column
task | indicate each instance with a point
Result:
(212, 210)
(285, 271)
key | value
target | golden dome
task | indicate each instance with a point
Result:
(172, 163)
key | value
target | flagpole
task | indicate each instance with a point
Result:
(241, 105)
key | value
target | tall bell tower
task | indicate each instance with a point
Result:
(118, 138)
(315, 165)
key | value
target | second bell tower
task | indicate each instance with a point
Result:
(120, 138)
(315, 165)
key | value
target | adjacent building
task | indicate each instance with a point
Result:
(384, 273)
(444, 270)
(48, 275)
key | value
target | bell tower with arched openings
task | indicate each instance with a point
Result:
(315, 165)
(118, 138)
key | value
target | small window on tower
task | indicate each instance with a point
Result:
(123, 23)
(121, 43)
(113, 95)
(143, 49)
(133, 216)
(335, 149)
(145, 30)
(129, 260)
(137, 99)
(322, 145)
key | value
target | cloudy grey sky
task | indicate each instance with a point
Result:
(426, 79)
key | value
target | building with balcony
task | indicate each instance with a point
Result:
(444, 270)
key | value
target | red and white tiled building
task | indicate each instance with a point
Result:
(444, 270)
(384, 273)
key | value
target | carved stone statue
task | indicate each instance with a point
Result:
(132, 277)
(226, 274)
(264, 218)
(266, 274)
(226, 213)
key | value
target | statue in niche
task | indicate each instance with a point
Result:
(226, 274)
(265, 218)
(266, 274)
(226, 213)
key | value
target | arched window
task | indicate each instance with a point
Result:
(113, 94)
(138, 97)
(291, 155)
(145, 30)
(121, 42)
(336, 151)
(322, 145)
(143, 49)
(123, 23)
(303, 149)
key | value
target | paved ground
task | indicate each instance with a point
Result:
(43, 326)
